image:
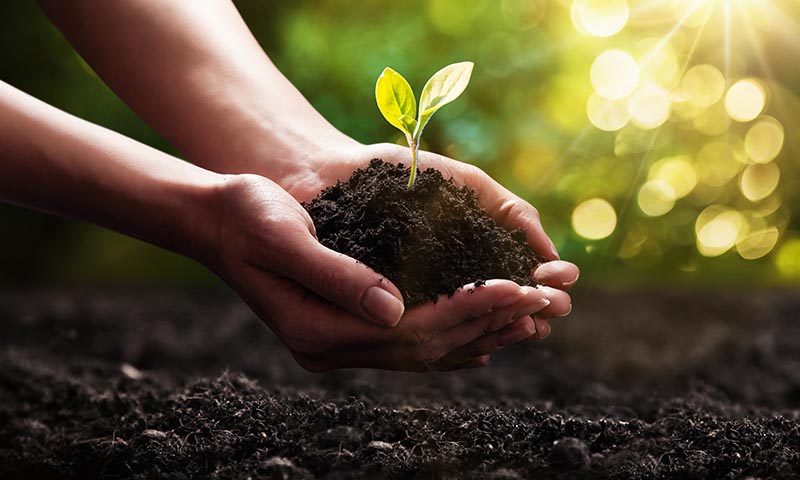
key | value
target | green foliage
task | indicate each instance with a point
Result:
(533, 135)
(397, 103)
(443, 87)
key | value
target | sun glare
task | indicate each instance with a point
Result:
(663, 85)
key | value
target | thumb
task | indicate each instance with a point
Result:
(342, 280)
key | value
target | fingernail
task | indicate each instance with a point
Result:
(568, 311)
(541, 326)
(540, 305)
(510, 300)
(382, 306)
(571, 283)
(513, 336)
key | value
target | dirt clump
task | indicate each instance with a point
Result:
(429, 240)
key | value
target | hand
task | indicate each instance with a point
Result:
(205, 84)
(332, 312)
(306, 178)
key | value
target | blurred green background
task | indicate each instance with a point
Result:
(659, 139)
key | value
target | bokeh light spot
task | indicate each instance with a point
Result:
(656, 197)
(788, 258)
(649, 106)
(600, 18)
(702, 86)
(717, 230)
(764, 140)
(758, 243)
(718, 162)
(678, 172)
(658, 61)
(594, 219)
(745, 100)
(713, 121)
(614, 74)
(605, 114)
(759, 180)
(768, 206)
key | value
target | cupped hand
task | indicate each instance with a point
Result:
(323, 168)
(333, 312)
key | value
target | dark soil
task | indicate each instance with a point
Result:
(428, 240)
(702, 385)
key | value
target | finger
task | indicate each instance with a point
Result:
(477, 348)
(512, 212)
(340, 279)
(301, 317)
(534, 301)
(557, 274)
(542, 328)
(321, 335)
(520, 329)
(423, 336)
(468, 302)
(560, 302)
(422, 352)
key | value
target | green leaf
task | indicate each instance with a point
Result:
(442, 88)
(396, 100)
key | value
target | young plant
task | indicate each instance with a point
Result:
(397, 103)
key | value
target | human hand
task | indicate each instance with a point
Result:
(205, 84)
(307, 177)
(314, 298)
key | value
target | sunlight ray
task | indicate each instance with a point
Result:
(786, 20)
(555, 167)
(755, 43)
(727, 40)
(672, 31)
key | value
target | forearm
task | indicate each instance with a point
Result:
(54, 162)
(194, 71)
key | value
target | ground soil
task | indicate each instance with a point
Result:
(428, 240)
(632, 385)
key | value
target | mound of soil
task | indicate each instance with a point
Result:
(428, 240)
(128, 385)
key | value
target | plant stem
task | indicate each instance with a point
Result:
(414, 152)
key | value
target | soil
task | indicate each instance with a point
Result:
(430, 239)
(156, 385)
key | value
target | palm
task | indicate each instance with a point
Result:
(424, 339)
(271, 260)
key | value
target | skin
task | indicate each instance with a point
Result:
(194, 71)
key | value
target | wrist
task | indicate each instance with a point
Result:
(256, 122)
(194, 215)
(284, 151)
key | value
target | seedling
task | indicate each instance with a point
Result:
(399, 107)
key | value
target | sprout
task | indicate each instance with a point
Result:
(397, 103)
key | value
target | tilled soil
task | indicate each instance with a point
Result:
(632, 385)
